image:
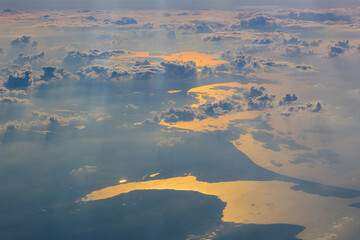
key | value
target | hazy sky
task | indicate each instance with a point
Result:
(170, 4)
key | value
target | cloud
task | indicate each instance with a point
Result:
(78, 58)
(343, 44)
(258, 22)
(10, 11)
(327, 156)
(83, 170)
(125, 21)
(19, 81)
(199, 27)
(336, 51)
(258, 99)
(287, 99)
(24, 58)
(262, 41)
(303, 67)
(13, 100)
(219, 108)
(241, 63)
(339, 48)
(296, 51)
(91, 18)
(319, 16)
(178, 114)
(131, 107)
(179, 69)
(53, 73)
(315, 108)
(141, 70)
(170, 142)
(23, 42)
(273, 142)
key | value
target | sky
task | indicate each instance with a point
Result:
(170, 121)
(172, 4)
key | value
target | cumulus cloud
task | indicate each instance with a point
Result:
(273, 142)
(13, 100)
(19, 81)
(296, 51)
(262, 41)
(170, 142)
(24, 58)
(53, 73)
(336, 51)
(319, 16)
(257, 22)
(80, 58)
(339, 48)
(245, 100)
(140, 70)
(242, 63)
(287, 99)
(199, 27)
(177, 114)
(327, 156)
(179, 69)
(83, 170)
(23, 42)
(311, 107)
(122, 21)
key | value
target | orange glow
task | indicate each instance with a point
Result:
(174, 91)
(201, 59)
(260, 202)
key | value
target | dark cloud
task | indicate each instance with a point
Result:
(24, 58)
(343, 44)
(219, 108)
(77, 58)
(179, 70)
(54, 73)
(141, 70)
(336, 51)
(319, 16)
(303, 67)
(243, 100)
(199, 27)
(315, 108)
(273, 142)
(212, 38)
(327, 156)
(10, 11)
(287, 99)
(276, 164)
(177, 114)
(296, 51)
(258, 22)
(23, 42)
(19, 81)
(293, 41)
(183, 14)
(239, 62)
(125, 21)
(262, 41)
(91, 18)
(258, 99)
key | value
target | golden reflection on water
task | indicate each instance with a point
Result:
(260, 202)
(201, 59)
